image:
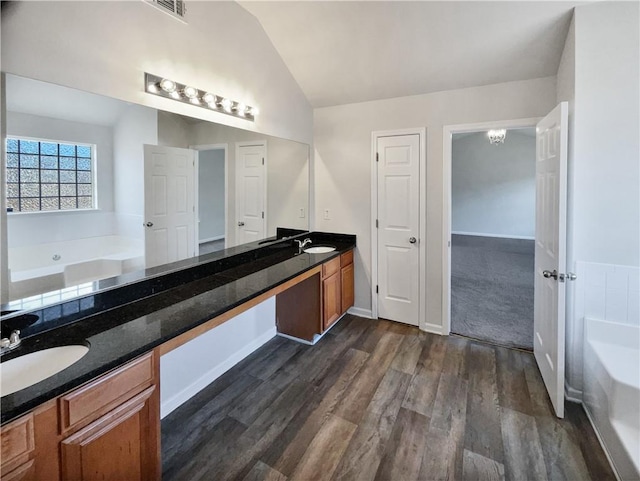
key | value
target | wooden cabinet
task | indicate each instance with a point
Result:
(18, 449)
(337, 288)
(316, 299)
(112, 425)
(107, 429)
(331, 300)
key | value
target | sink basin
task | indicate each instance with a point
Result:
(27, 370)
(319, 250)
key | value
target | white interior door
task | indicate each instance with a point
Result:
(251, 183)
(398, 227)
(169, 204)
(550, 252)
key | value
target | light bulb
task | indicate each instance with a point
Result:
(241, 109)
(167, 85)
(254, 111)
(190, 92)
(153, 88)
(209, 98)
(226, 104)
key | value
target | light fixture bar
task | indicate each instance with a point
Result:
(188, 94)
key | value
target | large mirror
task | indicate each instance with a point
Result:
(97, 187)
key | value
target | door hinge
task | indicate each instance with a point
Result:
(263, 214)
(262, 160)
(376, 289)
(376, 223)
(377, 157)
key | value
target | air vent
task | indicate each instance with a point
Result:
(176, 8)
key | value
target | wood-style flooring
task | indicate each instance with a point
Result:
(377, 400)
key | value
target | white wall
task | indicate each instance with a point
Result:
(287, 185)
(28, 229)
(194, 365)
(342, 137)
(211, 195)
(599, 77)
(606, 196)
(114, 43)
(287, 175)
(494, 186)
(136, 127)
(173, 131)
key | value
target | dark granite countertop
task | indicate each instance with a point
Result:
(117, 334)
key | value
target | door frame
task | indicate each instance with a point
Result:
(198, 148)
(447, 139)
(245, 143)
(422, 182)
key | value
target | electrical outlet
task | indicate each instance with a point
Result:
(302, 212)
(326, 214)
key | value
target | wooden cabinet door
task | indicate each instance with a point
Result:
(348, 296)
(331, 302)
(25, 472)
(121, 445)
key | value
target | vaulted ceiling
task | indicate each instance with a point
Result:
(343, 52)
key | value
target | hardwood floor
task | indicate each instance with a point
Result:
(377, 400)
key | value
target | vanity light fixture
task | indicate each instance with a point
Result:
(168, 88)
(497, 136)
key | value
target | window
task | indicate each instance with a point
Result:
(44, 175)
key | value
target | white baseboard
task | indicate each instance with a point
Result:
(214, 373)
(501, 236)
(211, 239)
(358, 311)
(572, 394)
(432, 328)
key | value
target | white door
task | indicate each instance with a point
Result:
(251, 181)
(169, 204)
(398, 164)
(550, 252)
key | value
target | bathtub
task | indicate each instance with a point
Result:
(612, 391)
(51, 266)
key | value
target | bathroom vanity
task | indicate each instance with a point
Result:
(100, 417)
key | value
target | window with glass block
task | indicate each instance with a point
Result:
(44, 175)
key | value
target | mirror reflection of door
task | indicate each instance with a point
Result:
(169, 204)
(211, 221)
(251, 201)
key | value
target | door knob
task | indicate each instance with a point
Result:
(412, 240)
(240, 224)
(550, 274)
(149, 224)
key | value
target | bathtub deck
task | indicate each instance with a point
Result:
(380, 400)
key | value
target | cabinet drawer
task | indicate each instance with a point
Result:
(91, 401)
(331, 267)
(17, 441)
(346, 258)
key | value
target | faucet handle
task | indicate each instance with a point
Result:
(15, 336)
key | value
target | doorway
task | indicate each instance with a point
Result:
(493, 196)
(212, 198)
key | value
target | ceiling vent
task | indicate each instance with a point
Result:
(176, 8)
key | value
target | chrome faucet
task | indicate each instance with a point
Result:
(302, 243)
(13, 341)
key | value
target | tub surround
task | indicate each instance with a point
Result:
(124, 322)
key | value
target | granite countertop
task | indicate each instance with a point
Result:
(119, 334)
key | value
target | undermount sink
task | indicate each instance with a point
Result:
(27, 370)
(319, 249)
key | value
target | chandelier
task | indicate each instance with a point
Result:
(497, 136)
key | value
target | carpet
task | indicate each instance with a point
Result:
(492, 289)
